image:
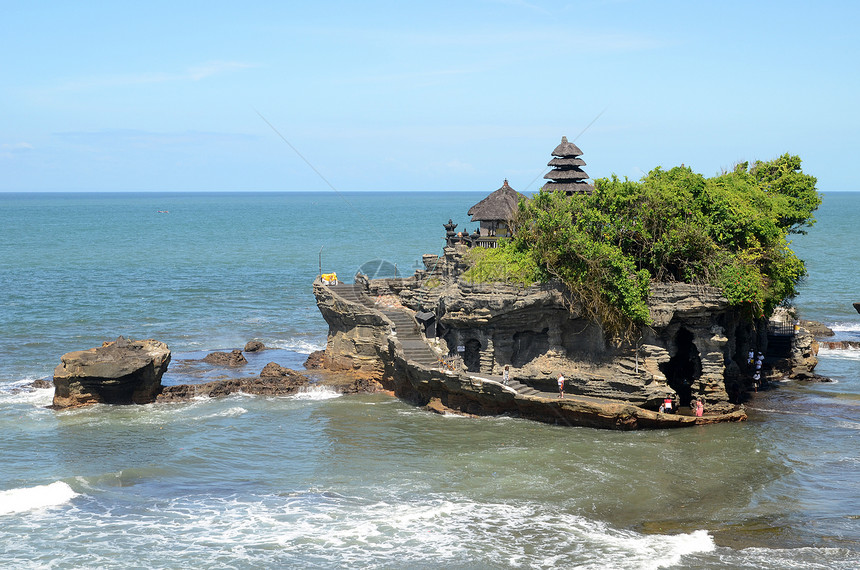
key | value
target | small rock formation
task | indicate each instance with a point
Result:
(235, 358)
(254, 346)
(275, 370)
(818, 330)
(804, 356)
(857, 307)
(274, 380)
(361, 386)
(315, 360)
(839, 344)
(124, 371)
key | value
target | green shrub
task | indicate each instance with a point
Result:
(673, 225)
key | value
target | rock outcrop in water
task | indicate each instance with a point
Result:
(254, 346)
(235, 358)
(124, 371)
(696, 348)
(274, 380)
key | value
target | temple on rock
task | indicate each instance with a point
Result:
(495, 214)
(446, 340)
(566, 174)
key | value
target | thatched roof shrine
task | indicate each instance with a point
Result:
(498, 206)
(566, 175)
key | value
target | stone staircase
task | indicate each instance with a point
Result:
(415, 348)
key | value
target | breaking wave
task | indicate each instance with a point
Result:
(316, 393)
(31, 498)
(302, 346)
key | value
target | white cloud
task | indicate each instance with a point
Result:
(16, 147)
(11, 150)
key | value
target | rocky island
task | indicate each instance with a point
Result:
(640, 334)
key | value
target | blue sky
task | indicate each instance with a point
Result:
(439, 96)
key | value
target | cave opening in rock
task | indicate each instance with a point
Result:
(743, 343)
(684, 368)
(528, 345)
(472, 355)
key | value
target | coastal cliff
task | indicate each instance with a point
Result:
(695, 348)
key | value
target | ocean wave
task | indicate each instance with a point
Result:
(233, 412)
(316, 393)
(846, 326)
(302, 346)
(839, 353)
(32, 498)
(845, 424)
(323, 529)
(21, 392)
(320, 529)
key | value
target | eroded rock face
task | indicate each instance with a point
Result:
(695, 348)
(356, 336)
(315, 360)
(124, 371)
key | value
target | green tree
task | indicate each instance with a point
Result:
(673, 225)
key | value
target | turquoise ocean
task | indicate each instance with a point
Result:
(319, 480)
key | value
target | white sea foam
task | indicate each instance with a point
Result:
(322, 529)
(233, 412)
(20, 392)
(839, 353)
(316, 393)
(301, 346)
(849, 326)
(31, 498)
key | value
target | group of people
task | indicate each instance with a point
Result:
(667, 407)
(757, 359)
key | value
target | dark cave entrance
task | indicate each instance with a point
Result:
(528, 345)
(472, 355)
(684, 368)
(743, 343)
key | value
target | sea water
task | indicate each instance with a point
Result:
(319, 480)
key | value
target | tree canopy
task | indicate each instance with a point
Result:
(730, 231)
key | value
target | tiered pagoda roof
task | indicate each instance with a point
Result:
(566, 174)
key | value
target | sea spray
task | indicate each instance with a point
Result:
(316, 393)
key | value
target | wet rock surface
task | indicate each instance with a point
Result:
(124, 371)
(254, 346)
(235, 358)
(274, 380)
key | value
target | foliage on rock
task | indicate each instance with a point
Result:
(730, 231)
(506, 263)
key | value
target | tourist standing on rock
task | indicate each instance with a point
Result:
(667, 405)
(560, 385)
(751, 358)
(506, 375)
(699, 408)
